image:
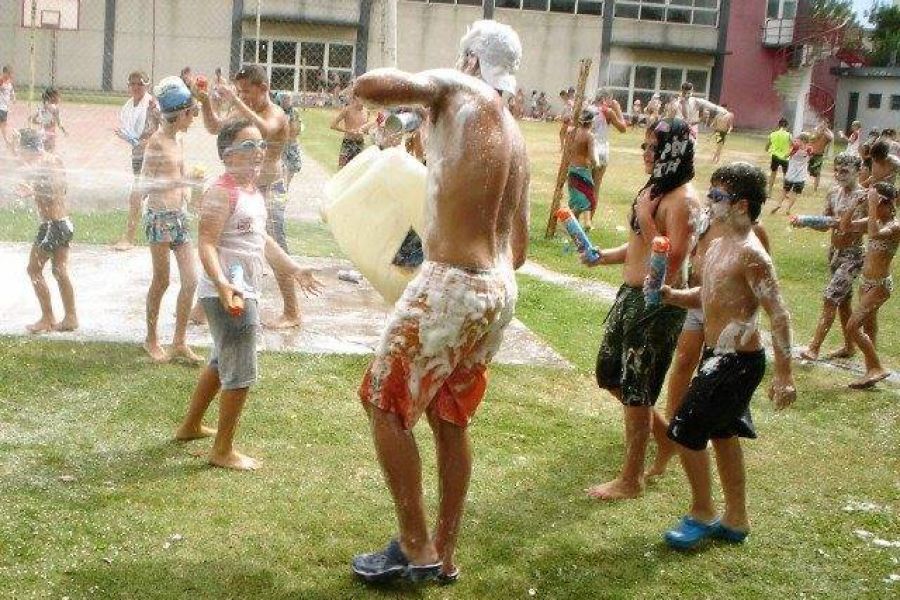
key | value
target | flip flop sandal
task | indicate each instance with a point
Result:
(390, 564)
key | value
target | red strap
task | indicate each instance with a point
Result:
(227, 182)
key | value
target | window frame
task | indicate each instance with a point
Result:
(298, 68)
(576, 9)
(665, 6)
(874, 100)
(658, 67)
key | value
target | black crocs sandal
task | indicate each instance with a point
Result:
(448, 578)
(391, 564)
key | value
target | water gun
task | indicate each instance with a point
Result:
(236, 277)
(579, 237)
(659, 259)
(814, 221)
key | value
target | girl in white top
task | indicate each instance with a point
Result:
(797, 171)
(233, 232)
(7, 97)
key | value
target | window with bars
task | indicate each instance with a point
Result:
(630, 82)
(687, 12)
(302, 65)
(580, 7)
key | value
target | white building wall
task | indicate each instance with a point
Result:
(870, 118)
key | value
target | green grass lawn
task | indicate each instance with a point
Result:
(95, 493)
(100, 503)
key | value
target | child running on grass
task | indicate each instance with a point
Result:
(233, 234)
(798, 169)
(45, 181)
(738, 279)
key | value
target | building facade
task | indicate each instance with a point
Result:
(731, 50)
(870, 95)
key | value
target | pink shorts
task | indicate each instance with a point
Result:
(435, 349)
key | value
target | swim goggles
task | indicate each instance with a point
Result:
(718, 195)
(247, 146)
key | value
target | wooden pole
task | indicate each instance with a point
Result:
(31, 58)
(583, 72)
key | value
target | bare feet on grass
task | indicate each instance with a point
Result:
(284, 322)
(67, 324)
(810, 354)
(156, 352)
(40, 326)
(186, 355)
(615, 490)
(844, 352)
(870, 378)
(186, 435)
(234, 460)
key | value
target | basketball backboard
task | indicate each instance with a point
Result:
(51, 14)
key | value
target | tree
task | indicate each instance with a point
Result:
(885, 36)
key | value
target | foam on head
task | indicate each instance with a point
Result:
(499, 53)
(848, 160)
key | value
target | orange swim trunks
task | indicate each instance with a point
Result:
(436, 347)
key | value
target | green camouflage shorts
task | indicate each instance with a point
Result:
(637, 347)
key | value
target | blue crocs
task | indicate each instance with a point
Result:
(390, 564)
(729, 534)
(689, 533)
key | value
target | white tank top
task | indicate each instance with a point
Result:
(601, 127)
(243, 240)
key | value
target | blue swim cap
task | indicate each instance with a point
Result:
(173, 95)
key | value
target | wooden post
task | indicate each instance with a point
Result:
(583, 72)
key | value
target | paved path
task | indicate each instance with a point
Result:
(111, 288)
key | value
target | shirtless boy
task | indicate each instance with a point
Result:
(689, 350)
(885, 165)
(821, 140)
(876, 284)
(582, 200)
(251, 101)
(233, 233)
(445, 329)
(845, 255)
(739, 278)
(164, 182)
(351, 121)
(45, 181)
(565, 116)
(639, 340)
(722, 124)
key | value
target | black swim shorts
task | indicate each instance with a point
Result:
(53, 235)
(637, 347)
(717, 405)
(778, 163)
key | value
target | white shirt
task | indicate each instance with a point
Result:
(798, 165)
(689, 109)
(243, 241)
(7, 95)
(133, 118)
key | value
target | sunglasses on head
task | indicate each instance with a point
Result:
(718, 195)
(247, 146)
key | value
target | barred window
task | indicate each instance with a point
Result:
(581, 7)
(302, 65)
(688, 12)
(630, 82)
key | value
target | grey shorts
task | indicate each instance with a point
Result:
(694, 320)
(845, 265)
(234, 343)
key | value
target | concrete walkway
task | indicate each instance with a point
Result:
(111, 288)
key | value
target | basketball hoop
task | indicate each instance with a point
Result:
(61, 15)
